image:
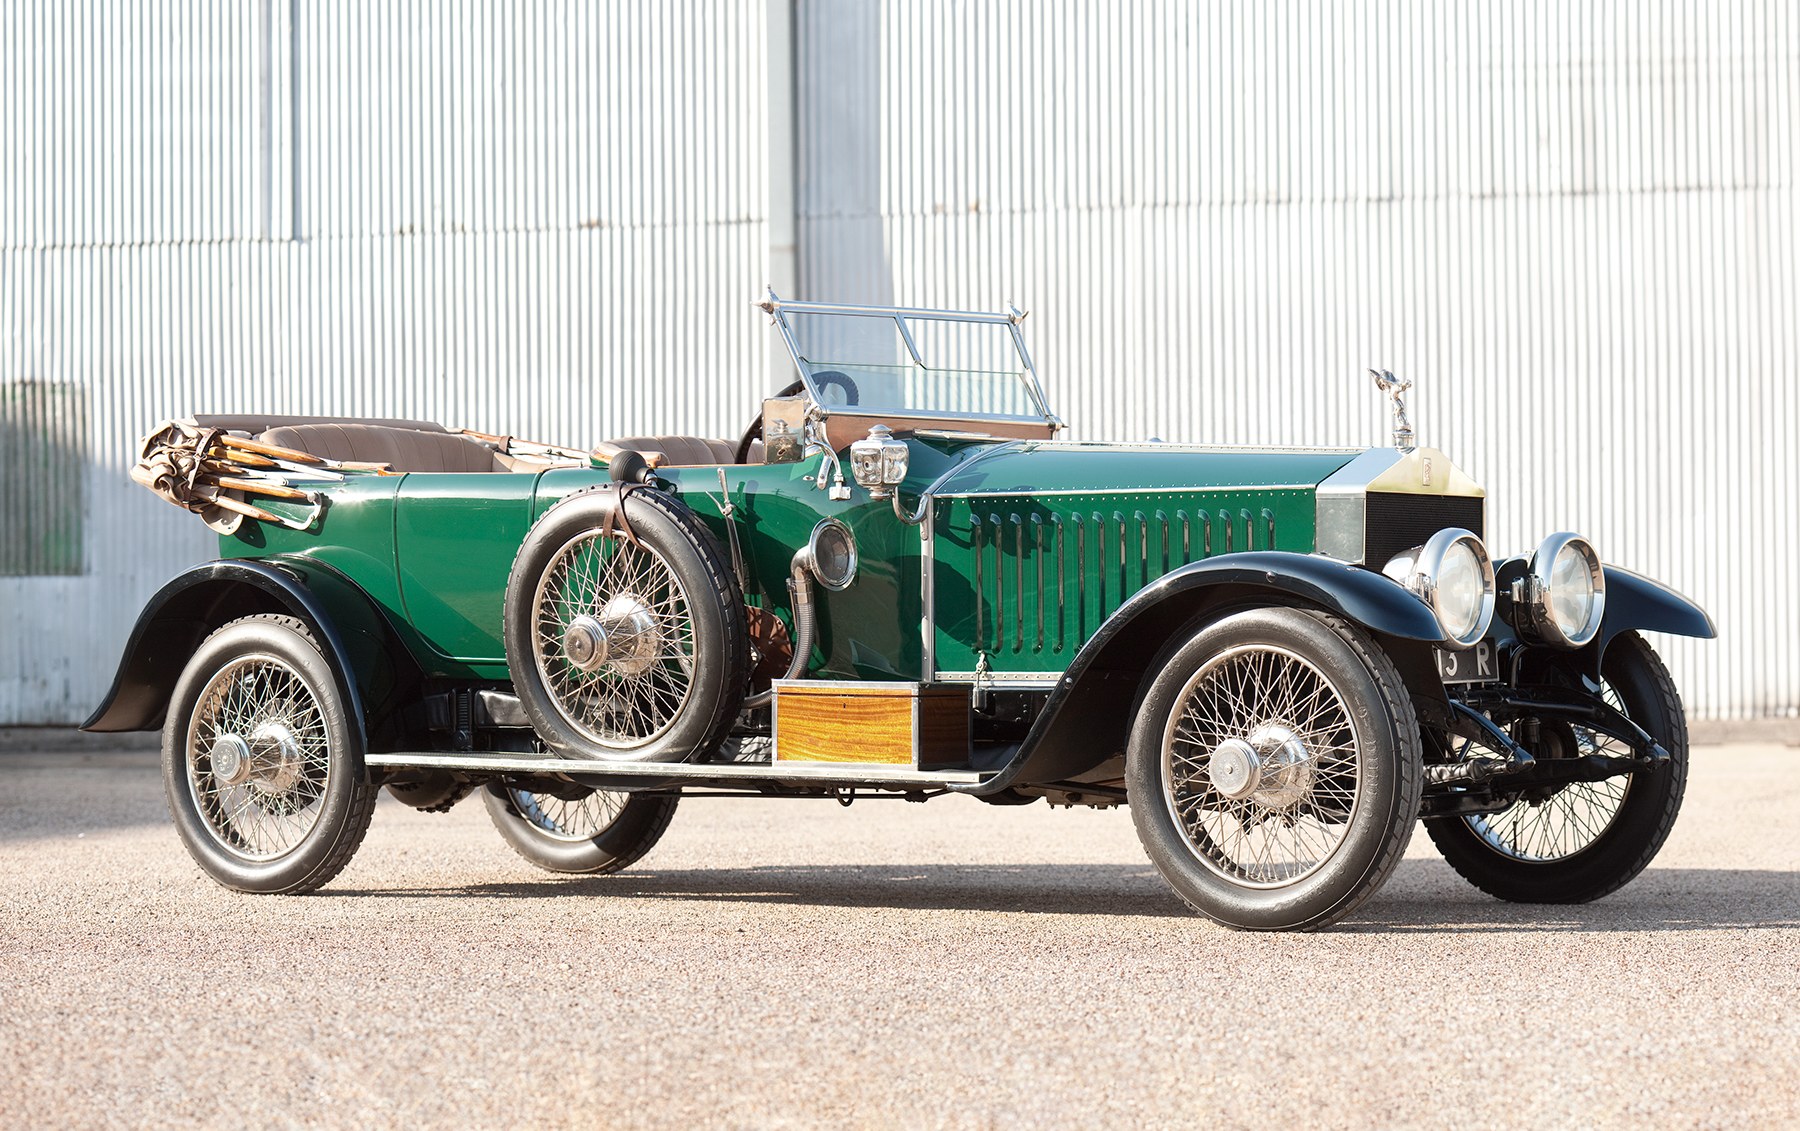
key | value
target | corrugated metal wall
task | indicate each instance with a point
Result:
(547, 220)
(1573, 225)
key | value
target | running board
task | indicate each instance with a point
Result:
(680, 772)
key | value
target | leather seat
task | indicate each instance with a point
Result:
(677, 451)
(403, 449)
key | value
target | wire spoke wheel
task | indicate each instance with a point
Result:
(262, 763)
(1274, 768)
(625, 630)
(576, 830)
(614, 639)
(1262, 766)
(1578, 842)
(1573, 818)
(257, 758)
(578, 819)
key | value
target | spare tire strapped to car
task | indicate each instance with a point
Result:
(624, 633)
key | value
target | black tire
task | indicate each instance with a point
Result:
(1274, 769)
(262, 768)
(579, 831)
(674, 651)
(1529, 855)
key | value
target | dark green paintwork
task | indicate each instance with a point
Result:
(1054, 565)
(1044, 468)
(433, 551)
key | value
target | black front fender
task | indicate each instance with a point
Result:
(186, 610)
(1636, 603)
(1087, 720)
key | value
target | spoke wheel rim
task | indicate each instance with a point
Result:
(636, 697)
(573, 820)
(1285, 828)
(259, 762)
(1571, 820)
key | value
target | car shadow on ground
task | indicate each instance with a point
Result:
(1425, 895)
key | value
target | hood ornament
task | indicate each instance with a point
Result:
(1395, 388)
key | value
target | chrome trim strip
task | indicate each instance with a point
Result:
(823, 773)
(866, 685)
(927, 592)
(1340, 499)
(1056, 493)
(1220, 449)
(1005, 681)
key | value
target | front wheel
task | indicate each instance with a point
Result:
(579, 830)
(1274, 769)
(1588, 839)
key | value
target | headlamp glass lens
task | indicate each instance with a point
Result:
(1461, 586)
(1571, 592)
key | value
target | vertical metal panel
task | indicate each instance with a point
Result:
(547, 220)
(1573, 225)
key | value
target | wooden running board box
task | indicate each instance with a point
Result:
(923, 726)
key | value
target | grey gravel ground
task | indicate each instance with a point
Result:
(789, 963)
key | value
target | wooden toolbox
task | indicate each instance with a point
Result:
(917, 725)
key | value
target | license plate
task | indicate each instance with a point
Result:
(1472, 665)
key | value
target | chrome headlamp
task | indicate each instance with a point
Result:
(878, 461)
(1561, 600)
(1453, 574)
(829, 555)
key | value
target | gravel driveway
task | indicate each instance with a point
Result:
(793, 963)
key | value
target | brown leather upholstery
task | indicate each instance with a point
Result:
(680, 451)
(403, 449)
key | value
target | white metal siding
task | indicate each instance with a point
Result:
(545, 220)
(1573, 225)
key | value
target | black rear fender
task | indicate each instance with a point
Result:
(1089, 712)
(354, 637)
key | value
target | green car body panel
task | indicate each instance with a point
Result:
(1032, 545)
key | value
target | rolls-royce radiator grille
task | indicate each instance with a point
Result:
(1044, 581)
(1397, 522)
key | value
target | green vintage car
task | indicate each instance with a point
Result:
(898, 582)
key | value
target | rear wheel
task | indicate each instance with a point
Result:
(1274, 769)
(1585, 840)
(264, 776)
(578, 829)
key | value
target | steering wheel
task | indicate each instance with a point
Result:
(824, 379)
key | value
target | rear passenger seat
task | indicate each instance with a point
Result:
(403, 449)
(420, 445)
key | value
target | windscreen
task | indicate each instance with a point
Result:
(962, 369)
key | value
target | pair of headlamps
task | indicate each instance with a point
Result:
(1559, 601)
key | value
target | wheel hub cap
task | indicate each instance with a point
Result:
(1234, 768)
(1270, 764)
(585, 644)
(1287, 773)
(276, 754)
(271, 755)
(230, 757)
(631, 633)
